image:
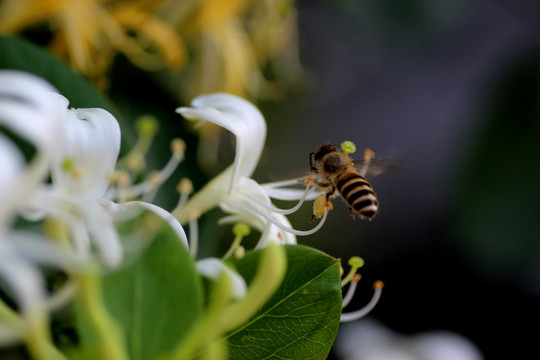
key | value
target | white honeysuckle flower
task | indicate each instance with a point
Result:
(234, 190)
(80, 177)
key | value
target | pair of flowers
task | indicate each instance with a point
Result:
(56, 163)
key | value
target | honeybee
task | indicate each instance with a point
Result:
(332, 169)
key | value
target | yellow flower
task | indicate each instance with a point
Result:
(89, 33)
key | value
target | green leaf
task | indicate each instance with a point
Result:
(301, 320)
(156, 299)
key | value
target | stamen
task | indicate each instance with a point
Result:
(184, 188)
(240, 231)
(62, 297)
(146, 127)
(272, 208)
(284, 183)
(368, 155)
(350, 291)
(193, 232)
(241, 206)
(355, 263)
(378, 286)
(149, 187)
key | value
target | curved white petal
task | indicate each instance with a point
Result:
(91, 140)
(24, 283)
(11, 165)
(288, 194)
(104, 234)
(31, 107)
(212, 268)
(36, 249)
(32, 111)
(238, 116)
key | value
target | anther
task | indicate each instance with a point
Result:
(239, 252)
(185, 186)
(178, 146)
(378, 284)
(355, 315)
(155, 179)
(368, 154)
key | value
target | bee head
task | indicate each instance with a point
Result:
(324, 150)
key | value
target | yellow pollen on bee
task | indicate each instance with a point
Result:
(321, 205)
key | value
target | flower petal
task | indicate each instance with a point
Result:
(31, 107)
(120, 209)
(11, 165)
(91, 140)
(238, 116)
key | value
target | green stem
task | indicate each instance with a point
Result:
(38, 339)
(110, 336)
(204, 330)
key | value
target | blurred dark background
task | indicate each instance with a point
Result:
(450, 91)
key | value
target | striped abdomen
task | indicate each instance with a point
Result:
(358, 194)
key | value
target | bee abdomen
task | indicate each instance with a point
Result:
(358, 194)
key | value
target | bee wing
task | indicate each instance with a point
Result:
(377, 166)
